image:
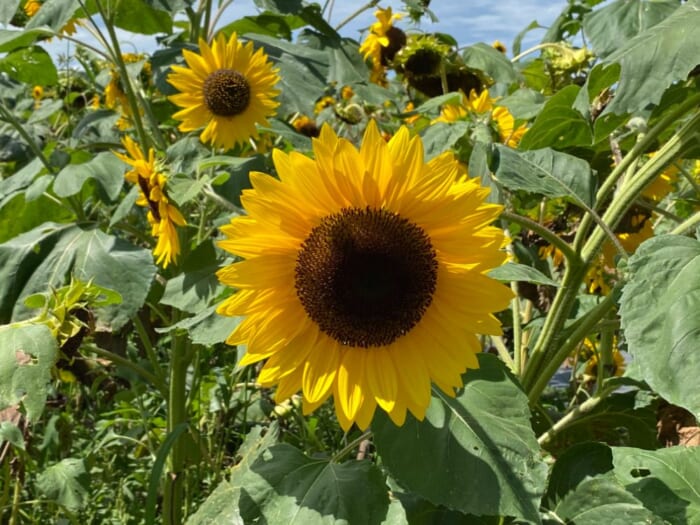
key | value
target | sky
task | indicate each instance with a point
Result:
(467, 21)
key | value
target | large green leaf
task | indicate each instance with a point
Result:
(656, 58)
(105, 168)
(206, 327)
(285, 486)
(136, 16)
(27, 354)
(442, 136)
(666, 481)
(559, 125)
(67, 482)
(222, 505)
(49, 254)
(7, 10)
(601, 500)
(491, 61)
(611, 26)
(475, 453)
(546, 172)
(660, 311)
(31, 65)
(11, 39)
(54, 14)
(521, 272)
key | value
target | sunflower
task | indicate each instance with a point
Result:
(162, 215)
(32, 7)
(37, 93)
(364, 275)
(382, 43)
(228, 89)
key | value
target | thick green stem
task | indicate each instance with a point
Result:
(10, 118)
(173, 497)
(687, 224)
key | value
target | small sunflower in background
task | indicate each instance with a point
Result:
(383, 41)
(37, 94)
(163, 216)
(364, 275)
(32, 7)
(228, 88)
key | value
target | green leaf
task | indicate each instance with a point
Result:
(601, 500)
(54, 14)
(580, 462)
(105, 168)
(546, 172)
(18, 215)
(7, 10)
(222, 505)
(31, 65)
(656, 58)
(11, 39)
(284, 485)
(491, 61)
(265, 24)
(559, 125)
(67, 482)
(51, 253)
(660, 313)
(207, 327)
(520, 272)
(475, 453)
(10, 433)
(27, 354)
(611, 26)
(666, 481)
(197, 285)
(524, 103)
(442, 136)
(148, 22)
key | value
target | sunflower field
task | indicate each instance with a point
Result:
(274, 271)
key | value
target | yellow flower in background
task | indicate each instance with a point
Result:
(499, 46)
(382, 43)
(356, 263)
(32, 7)
(347, 93)
(616, 368)
(37, 93)
(663, 184)
(323, 103)
(480, 104)
(306, 126)
(162, 215)
(228, 88)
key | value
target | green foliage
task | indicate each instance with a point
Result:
(475, 452)
(663, 339)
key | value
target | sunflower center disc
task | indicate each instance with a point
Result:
(366, 276)
(226, 92)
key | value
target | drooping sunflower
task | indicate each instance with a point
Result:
(163, 216)
(227, 89)
(383, 41)
(364, 275)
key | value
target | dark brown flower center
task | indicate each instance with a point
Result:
(397, 39)
(366, 276)
(226, 92)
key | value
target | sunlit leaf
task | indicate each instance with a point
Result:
(148, 22)
(660, 311)
(491, 61)
(546, 172)
(7, 10)
(521, 272)
(656, 58)
(27, 355)
(104, 168)
(475, 453)
(611, 26)
(284, 485)
(32, 65)
(54, 14)
(666, 481)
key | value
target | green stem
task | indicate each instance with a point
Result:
(535, 382)
(150, 351)
(584, 408)
(535, 49)
(687, 224)
(368, 5)
(503, 353)
(173, 498)
(367, 434)
(124, 75)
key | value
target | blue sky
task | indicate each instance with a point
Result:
(467, 21)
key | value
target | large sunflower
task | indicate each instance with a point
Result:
(227, 89)
(363, 276)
